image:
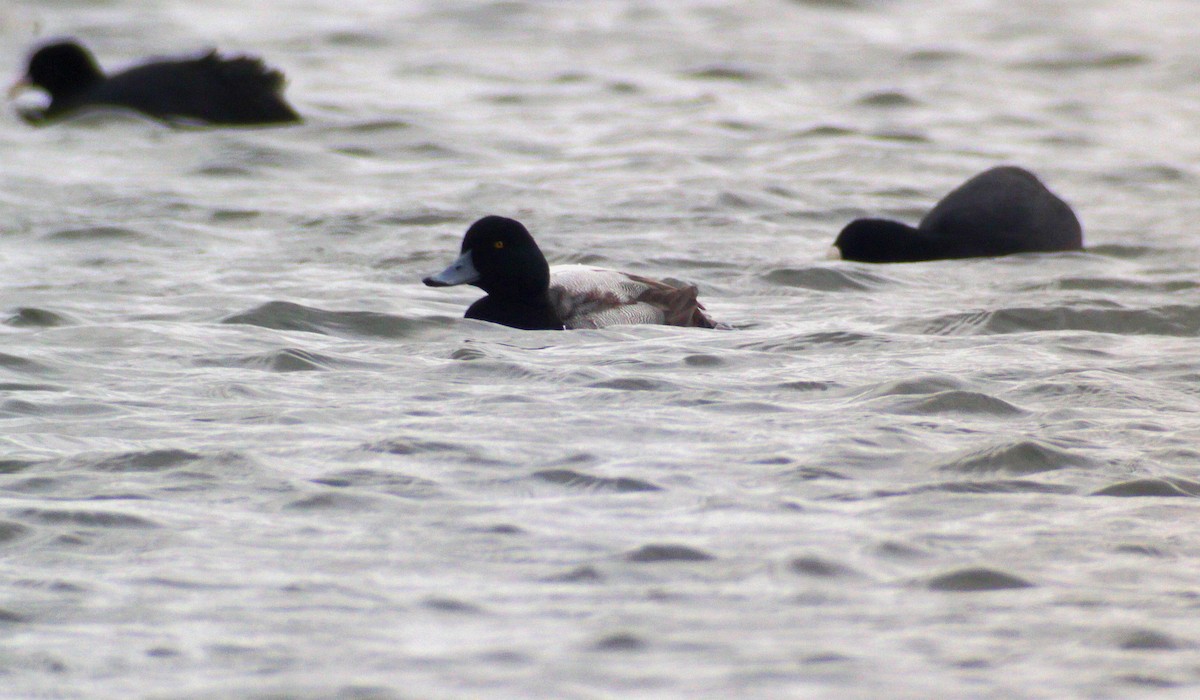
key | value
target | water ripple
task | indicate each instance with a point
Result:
(10, 531)
(1095, 60)
(975, 580)
(284, 360)
(1160, 488)
(580, 480)
(657, 553)
(999, 486)
(96, 233)
(1024, 457)
(820, 567)
(23, 364)
(725, 71)
(29, 317)
(287, 316)
(391, 483)
(1175, 320)
(825, 279)
(959, 402)
(148, 461)
(86, 518)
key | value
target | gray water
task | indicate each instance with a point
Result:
(245, 454)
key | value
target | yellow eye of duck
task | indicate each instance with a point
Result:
(498, 245)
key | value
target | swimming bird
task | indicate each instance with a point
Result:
(209, 89)
(500, 257)
(1000, 211)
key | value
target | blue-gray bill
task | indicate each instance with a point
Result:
(461, 271)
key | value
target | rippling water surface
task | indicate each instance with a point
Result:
(244, 453)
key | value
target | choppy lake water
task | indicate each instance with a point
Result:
(244, 453)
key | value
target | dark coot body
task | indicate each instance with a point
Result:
(1001, 211)
(209, 89)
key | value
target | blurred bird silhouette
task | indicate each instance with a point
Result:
(209, 89)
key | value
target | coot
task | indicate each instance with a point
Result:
(1001, 211)
(209, 89)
